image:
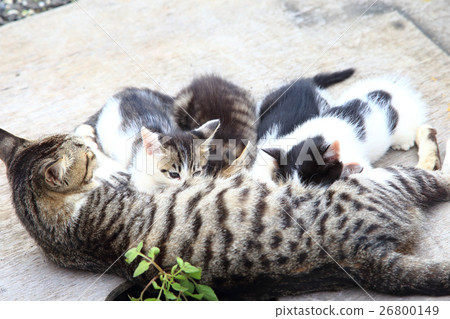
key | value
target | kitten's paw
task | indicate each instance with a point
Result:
(87, 133)
(403, 146)
(429, 157)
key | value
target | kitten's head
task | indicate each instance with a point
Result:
(312, 161)
(171, 159)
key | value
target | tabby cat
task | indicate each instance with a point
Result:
(136, 128)
(212, 97)
(252, 240)
(372, 116)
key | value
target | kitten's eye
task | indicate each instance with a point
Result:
(174, 175)
(197, 173)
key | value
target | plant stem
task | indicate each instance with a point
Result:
(146, 287)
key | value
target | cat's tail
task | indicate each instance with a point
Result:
(401, 274)
(324, 80)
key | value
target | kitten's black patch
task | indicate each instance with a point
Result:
(288, 107)
(306, 160)
(353, 112)
(384, 100)
(297, 102)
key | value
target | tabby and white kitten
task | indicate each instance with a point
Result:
(251, 240)
(374, 115)
(136, 128)
(212, 97)
(283, 111)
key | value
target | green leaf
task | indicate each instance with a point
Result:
(133, 299)
(139, 246)
(131, 255)
(176, 286)
(169, 295)
(141, 268)
(155, 285)
(207, 292)
(188, 268)
(151, 299)
(189, 285)
(196, 275)
(153, 252)
(180, 262)
(180, 277)
(174, 268)
(195, 296)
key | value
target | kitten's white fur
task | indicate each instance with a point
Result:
(408, 103)
(115, 141)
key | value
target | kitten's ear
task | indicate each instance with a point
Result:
(208, 130)
(332, 154)
(152, 145)
(54, 173)
(350, 169)
(9, 145)
(275, 153)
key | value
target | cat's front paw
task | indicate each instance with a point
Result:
(87, 133)
(403, 146)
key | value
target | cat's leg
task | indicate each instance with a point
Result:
(429, 157)
(87, 132)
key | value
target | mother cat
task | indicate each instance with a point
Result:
(252, 241)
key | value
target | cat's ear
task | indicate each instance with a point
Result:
(208, 130)
(54, 173)
(350, 169)
(9, 145)
(152, 145)
(274, 153)
(332, 154)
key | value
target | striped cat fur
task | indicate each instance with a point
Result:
(253, 241)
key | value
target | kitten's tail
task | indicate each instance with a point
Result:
(406, 274)
(324, 80)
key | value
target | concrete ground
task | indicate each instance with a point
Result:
(59, 67)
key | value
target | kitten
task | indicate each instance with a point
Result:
(136, 129)
(212, 97)
(374, 115)
(293, 104)
(251, 240)
(284, 110)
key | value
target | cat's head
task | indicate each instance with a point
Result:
(312, 161)
(59, 163)
(171, 159)
(44, 175)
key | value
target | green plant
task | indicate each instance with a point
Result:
(180, 283)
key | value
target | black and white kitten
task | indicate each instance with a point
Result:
(136, 128)
(284, 110)
(293, 104)
(373, 115)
